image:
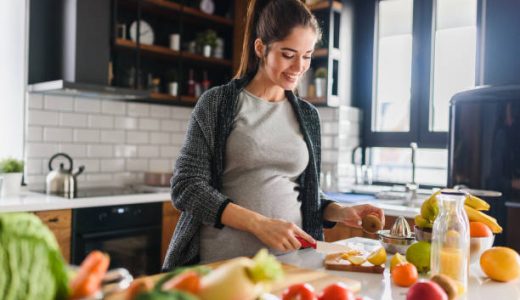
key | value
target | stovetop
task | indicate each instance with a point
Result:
(114, 191)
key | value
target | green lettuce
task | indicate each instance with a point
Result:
(31, 263)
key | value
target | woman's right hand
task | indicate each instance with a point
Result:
(280, 234)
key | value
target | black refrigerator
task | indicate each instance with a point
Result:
(484, 151)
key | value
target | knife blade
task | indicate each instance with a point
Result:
(324, 247)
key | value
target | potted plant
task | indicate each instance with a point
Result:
(320, 79)
(11, 171)
(206, 41)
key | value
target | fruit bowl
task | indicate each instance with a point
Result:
(423, 234)
(477, 245)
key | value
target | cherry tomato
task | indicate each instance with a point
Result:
(299, 291)
(336, 291)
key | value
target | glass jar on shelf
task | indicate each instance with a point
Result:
(450, 239)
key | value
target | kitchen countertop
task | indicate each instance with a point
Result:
(380, 287)
(31, 201)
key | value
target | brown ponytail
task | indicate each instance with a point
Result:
(271, 21)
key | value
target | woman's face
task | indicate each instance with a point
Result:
(288, 59)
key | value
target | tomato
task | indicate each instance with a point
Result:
(336, 291)
(299, 291)
(188, 281)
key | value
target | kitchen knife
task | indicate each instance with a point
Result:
(323, 247)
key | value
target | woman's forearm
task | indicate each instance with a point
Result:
(333, 212)
(241, 218)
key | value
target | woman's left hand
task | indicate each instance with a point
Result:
(352, 215)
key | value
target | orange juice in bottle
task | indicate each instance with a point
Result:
(450, 239)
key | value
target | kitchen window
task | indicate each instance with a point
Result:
(424, 51)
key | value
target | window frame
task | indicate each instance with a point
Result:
(422, 61)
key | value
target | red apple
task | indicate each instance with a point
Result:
(426, 290)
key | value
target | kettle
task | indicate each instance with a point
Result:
(62, 182)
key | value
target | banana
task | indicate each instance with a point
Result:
(430, 207)
(476, 203)
(421, 222)
(475, 215)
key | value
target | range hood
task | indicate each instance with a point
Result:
(69, 50)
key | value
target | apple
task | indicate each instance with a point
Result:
(426, 290)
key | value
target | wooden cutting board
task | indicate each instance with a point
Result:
(334, 262)
(293, 274)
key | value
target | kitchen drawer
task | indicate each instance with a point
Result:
(170, 218)
(59, 222)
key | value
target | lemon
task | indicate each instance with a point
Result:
(396, 259)
(356, 260)
(500, 263)
(377, 257)
(346, 255)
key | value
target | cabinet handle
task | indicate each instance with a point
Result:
(53, 220)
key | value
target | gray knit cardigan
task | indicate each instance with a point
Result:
(197, 179)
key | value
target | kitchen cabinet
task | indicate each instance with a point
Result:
(332, 55)
(169, 220)
(152, 61)
(59, 222)
(341, 232)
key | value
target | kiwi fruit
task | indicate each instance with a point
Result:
(371, 223)
(447, 284)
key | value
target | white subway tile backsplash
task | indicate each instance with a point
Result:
(138, 110)
(177, 138)
(125, 178)
(86, 135)
(170, 151)
(148, 151)
(91, 165)
(125, 151)
(181, 113)
(51, 134)
(99, 151)
(112, 165)
(328, 114)
(35, 101)
(113, 136)
(125, 123)
(134, 164)
(113, 107)
(74, 150)
(99, 121)
(171, 125)
(34, 166)
(60, 103)
(34, 134)
(327, 142)
(329, 128)
(101, 178)
(148, 124)
(87, 105)
(159, 138)
(137, 137)
(40, 150)
(160, 111)
(160, 165)
(73, 120)
(36, 182)
(40, 117)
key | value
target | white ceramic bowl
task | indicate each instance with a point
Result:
(477, 245)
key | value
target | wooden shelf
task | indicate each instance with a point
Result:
(325, 4)
(167, 97)
(164, 7)
(169, 53)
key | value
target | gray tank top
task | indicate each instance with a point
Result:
(265, 154)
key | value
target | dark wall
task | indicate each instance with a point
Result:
(502, 42)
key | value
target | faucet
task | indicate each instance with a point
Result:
(413, 146)
(411, 187)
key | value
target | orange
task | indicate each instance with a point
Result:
(479, 229)
(404, 274)
(500, 263)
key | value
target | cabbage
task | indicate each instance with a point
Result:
(31, 264)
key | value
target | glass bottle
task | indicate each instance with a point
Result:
(450, 239)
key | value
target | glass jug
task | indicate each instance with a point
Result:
(450, 239)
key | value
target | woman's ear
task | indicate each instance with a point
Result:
(259, 48)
